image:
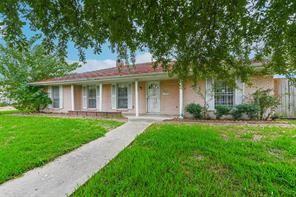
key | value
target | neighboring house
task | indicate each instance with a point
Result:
(3, 99)
(144, 90)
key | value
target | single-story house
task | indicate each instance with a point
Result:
(3, 98)
(145, 90)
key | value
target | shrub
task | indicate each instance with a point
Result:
(3, 104)
(265, 102)
(30, 99)
(195, 110)
(222, 110)
(251, 110)
(236, 113)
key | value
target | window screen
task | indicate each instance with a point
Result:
(91, 97)
(55, 97)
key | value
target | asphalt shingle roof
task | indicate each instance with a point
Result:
(109, 72)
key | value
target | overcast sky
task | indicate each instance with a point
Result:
(100, 62)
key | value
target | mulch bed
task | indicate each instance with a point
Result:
(239, 122)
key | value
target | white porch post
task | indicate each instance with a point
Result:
(72, 98)
(137, 97)
(101, 97)
(181, 101)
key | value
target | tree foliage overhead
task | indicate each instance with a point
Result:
(19, 68)
(204, 37)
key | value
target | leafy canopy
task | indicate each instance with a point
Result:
(19, 68)
(205, 38)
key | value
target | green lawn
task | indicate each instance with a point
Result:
(28, 142)
(189, 160)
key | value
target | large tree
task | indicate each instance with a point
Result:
(205, 38)
(20, 67)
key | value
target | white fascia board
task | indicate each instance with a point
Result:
(140, 77)
(282, 77)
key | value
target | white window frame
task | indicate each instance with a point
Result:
(114, 95)
(239, 93)
(124, 85)
(230, 92)
(98, 97)
(88, 97)
(59, 97)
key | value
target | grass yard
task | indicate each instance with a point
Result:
(183, 159)
(27, 142)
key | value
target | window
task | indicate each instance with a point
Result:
(122, 96)
(224, 95)
(55, 97)
(91, 95)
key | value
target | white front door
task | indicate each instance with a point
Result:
(153, 97)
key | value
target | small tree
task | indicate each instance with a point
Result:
(20, 67)
(267, 103)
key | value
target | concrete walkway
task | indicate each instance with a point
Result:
(66, 173)
(7, 108)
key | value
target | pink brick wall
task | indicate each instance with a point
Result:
(169, 95)
(264, 82)
(194, 94)
(142, 98)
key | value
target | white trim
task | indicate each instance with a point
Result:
(49, 93)
(181, 100)
(87, 97)
(52, 97)
(84, 97)
(283, 76)
(98, 97)
(101, 97)
(137, 97)
(61, 97)
(239, 92)
(127, 78)
(210, 97)
(72, 98)
(114, 96)
(129, 95)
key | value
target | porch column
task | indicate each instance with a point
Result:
(137, 97)
(72, 98)
(101, 97)
(181, 101)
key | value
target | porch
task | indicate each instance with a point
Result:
(131, 98)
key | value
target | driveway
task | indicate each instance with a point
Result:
(66, 173)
